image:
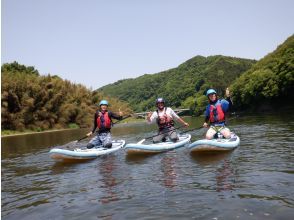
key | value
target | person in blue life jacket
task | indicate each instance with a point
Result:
(102, 120)
(164, 117)
(215, 114)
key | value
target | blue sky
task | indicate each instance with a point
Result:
(97, 42)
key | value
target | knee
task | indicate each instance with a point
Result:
(90, 145)
(227, 134)
(157, 139)
(209, 136)
(175, 139)
(108, 145)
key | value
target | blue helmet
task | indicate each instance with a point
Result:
(210, 91)
(103, 102)
(158, 100)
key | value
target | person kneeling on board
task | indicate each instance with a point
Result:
(164, 116)
(215, 114)
(102, 120)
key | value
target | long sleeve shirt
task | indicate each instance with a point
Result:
(111, 115)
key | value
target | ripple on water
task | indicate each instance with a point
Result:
(255, 181)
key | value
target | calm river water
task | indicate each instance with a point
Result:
(255, 181)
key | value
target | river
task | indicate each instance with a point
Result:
(254, 181)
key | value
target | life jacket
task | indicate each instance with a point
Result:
(104, 121)
(216, 112)
(164, 120)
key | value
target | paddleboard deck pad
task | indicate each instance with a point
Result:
(59, 154)
(222, 144)
(157, 147)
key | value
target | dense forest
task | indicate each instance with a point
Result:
(183, 86)
(269, 84)
(30, 101)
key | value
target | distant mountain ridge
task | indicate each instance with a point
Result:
(182, 86)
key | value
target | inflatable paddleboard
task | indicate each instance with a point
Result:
(84, 154)
(157, 147)
(222, 144)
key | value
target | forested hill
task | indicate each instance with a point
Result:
(182, 86)
(30, 101)
(269, 83)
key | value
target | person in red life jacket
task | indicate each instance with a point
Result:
(215, 114)
(164, 116)
(102, 120)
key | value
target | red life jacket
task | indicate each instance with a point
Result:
(216, 113)
(107, 120)
(165, 120)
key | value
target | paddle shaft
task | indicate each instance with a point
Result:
(191, 130)
(122, 119)
(164, 132)
(82, 138)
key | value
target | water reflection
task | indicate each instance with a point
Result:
(225, 177)
(138, 158)
(168, 163)
(13, 146)
(63, 167)
(204, 159)
(107, 169)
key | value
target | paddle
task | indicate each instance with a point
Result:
(190, 130)
(74, 142)
(128, 116)
(82, 138)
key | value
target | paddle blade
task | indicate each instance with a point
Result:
(141, 141)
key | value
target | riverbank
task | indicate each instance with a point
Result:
(10, 133)
(18, 133)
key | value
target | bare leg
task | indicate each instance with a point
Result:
(210, 133)
(226, 133)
